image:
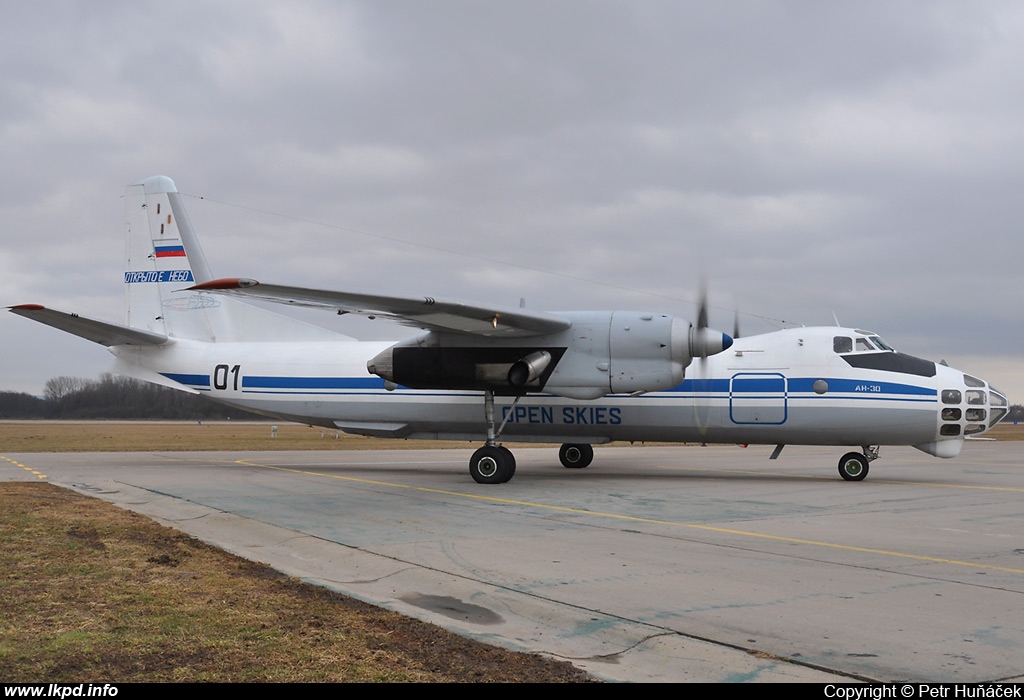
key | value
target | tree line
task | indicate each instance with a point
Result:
(112, 397)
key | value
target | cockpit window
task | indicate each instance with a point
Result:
(842, 344)
(950, 396)
(882, 345)
(995, 416)
(973, 381)
(975, 397)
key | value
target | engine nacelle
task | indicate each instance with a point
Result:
(608, 352)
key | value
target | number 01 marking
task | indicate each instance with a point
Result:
(220, 376)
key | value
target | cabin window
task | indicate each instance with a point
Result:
(841, 344)
(976, 398)
(950, 396)
(951, 414)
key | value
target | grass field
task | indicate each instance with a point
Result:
(175, 436)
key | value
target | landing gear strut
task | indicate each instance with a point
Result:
(854, 465)
(492, 463)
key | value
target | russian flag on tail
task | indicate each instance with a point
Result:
(168, 249)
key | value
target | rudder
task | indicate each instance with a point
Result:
(163, 258)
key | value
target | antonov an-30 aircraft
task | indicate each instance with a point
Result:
(487, 373)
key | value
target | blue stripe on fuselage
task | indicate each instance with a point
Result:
(749, 384)
(860, 386)
(250, 382)
(801, 387)
(198, 381)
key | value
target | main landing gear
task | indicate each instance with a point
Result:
(854, 465)
(495, 464)
(576, 456)
(492, 463)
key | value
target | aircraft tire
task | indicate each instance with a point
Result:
(853, 466)
(575, 456)
(511, 462)
(491, 465)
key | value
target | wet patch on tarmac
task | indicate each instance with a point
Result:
(454, 608)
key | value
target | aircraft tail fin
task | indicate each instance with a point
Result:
(158, 263)
(163, 258)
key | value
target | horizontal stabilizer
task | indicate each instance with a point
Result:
(420, 312)
(101, 332)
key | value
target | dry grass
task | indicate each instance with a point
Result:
(92, 593)
(176, 436)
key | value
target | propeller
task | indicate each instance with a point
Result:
(704, 341)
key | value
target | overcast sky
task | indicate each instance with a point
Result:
(862, 159)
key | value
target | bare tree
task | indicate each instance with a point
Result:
(57, 388)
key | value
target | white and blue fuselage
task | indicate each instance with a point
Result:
(813, 386)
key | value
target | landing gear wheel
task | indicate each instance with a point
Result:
(575, 456)
(492, 465)
(510, 461)
(853, 466)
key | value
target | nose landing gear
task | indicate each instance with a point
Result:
(854, 465)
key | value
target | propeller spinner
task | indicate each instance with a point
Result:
(705, 341)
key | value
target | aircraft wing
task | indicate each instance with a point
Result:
(101, 332)
(420, 312)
